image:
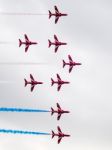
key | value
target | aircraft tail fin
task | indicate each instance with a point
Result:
(25, 82)
(20, 42)
(50, 43)
(50, 14)
(52, 82)
(53, 134)
(64, 63)
(52, 111)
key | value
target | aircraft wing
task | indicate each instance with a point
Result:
(59, 130)
(58, 118)
(56, 9)
(58, 106)
(70, 58)
(26, 48)
(26, 38)
(58, 77)
(70, 68)
(31, 77)
(59, 87)
(56, 48)
(32, 87)
(56, 19)
(59, 139)
(55, 37)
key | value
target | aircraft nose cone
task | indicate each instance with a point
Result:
(68, 135)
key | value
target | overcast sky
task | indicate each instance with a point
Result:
(88, 31)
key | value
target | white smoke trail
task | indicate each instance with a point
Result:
(21, 14)
(22, 63)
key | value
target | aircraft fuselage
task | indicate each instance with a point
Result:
(29, 43)
(60, 111)
(73, 64)
(61, 135)
(58, 14)
(59, 43)
(61, 82)
(34, 82)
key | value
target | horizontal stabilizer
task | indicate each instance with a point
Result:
(52, 82)
(53, 134)
(50, 14)
(25, 82)
(50, 43)
(20, 42)
(52, 111)
(64, 63)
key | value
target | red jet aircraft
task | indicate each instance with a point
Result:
(32, 82)
(59, 82)
(57, 14)
(71, 63)
(59, 111)
(60, 134)
(27, 43)
(56, 43)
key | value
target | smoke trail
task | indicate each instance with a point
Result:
(21, 14)
(21, 110)
(22, 63)
(5, 82)
(6, 42)
(8, 131)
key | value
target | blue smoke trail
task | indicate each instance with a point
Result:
(21, 110)
(22, 132)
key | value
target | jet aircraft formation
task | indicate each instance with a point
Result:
(56, 43)
(59, 82)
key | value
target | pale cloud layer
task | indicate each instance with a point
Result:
(87, 30)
